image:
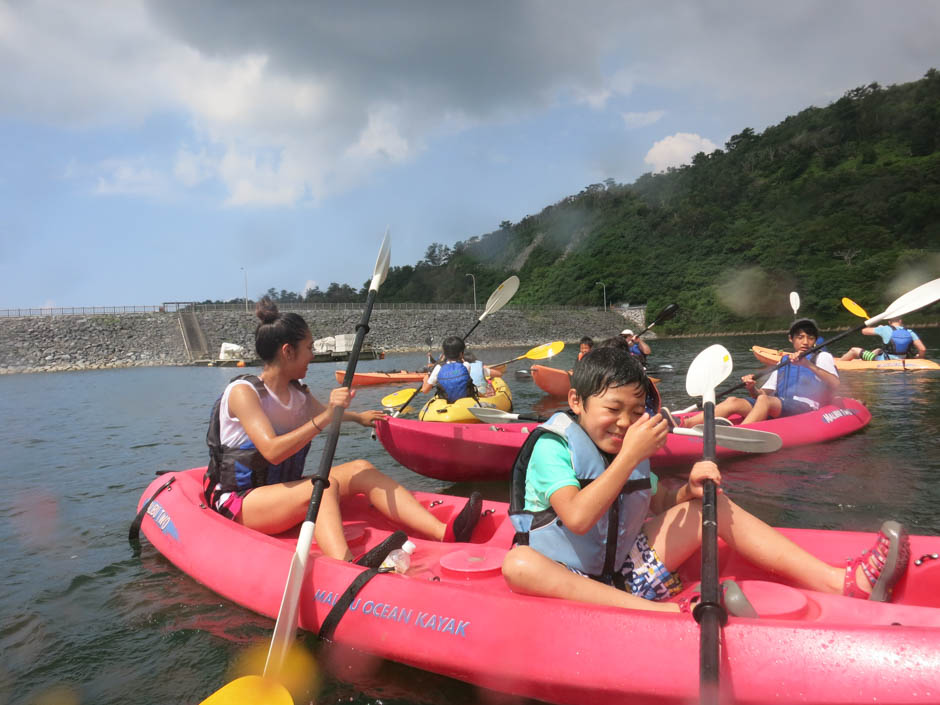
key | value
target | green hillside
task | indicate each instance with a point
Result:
(835, 201)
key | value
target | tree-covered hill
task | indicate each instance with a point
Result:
(832, 202)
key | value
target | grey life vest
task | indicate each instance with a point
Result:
(604, 547)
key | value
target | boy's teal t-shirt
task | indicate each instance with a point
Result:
(549, 470)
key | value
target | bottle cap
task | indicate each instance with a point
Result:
(408, 547)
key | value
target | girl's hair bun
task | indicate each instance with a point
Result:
(266, 310)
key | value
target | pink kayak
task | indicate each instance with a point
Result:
(460, 452)
(452, 614)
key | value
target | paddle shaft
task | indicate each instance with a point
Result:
(709, 612)
(321, 479)
(286, 624)
(665, 314)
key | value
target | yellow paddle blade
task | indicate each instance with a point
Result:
(547, 350)
(256, 690)
(854, 308)
(402, 396)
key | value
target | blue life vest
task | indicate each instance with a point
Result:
(232, 469)
(636, 351)
(798, 381)
(453, 381)
(604, 547)
(901, 339)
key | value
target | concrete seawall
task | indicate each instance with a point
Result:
(82, 342)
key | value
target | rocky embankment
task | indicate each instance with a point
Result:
(83, 342)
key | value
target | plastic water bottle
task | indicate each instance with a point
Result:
(398, 560)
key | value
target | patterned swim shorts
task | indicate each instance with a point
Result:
(644, 574)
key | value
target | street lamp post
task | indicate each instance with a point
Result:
(474, 280)
(605, 293)
(246, 288)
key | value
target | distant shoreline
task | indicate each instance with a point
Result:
(75, 344)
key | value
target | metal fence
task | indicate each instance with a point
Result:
(76, 311)
(177, 306)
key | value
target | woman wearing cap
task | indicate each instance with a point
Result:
(804, 385)
(635, 345)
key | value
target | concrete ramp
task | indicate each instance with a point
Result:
(193, 338)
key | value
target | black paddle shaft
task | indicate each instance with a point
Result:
(321, 480)
(666, 314)
(709, 612)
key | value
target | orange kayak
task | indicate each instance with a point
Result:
(551, 380)
(769, 356)
(555, 382)
(362, 379)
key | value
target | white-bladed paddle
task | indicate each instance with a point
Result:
(915, 299)
(709, 369)
(286, 625)
(499, 298)
(795, 302)
(745, 440)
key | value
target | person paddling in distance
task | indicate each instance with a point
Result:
(259, 436)
(897, 342)
(637, 346)
(803, 385)
(455, 377)
(585, 345)
(584, 469)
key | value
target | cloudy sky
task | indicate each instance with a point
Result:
(162, 151)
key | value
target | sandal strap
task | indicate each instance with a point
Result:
(872, 562)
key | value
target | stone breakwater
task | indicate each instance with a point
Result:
(67, 343)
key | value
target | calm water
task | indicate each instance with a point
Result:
(78, 611)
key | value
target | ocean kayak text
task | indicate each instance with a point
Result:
(381, 610)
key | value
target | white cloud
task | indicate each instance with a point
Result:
(130, 177)
(381, 138)
(192, 168)
(597, 100)
(637, 120)
(310, 285)
(677, 149)
(338, 90)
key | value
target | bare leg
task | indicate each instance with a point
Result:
(731, 405)
(386, 495)
(677, 533)
(852, 354)
(529, 572)
(765, 406)
(275, 508)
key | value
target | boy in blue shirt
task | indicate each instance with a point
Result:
(594, 525)
(896, 340)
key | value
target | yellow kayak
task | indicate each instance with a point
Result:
(769, 356)
(437, 408)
